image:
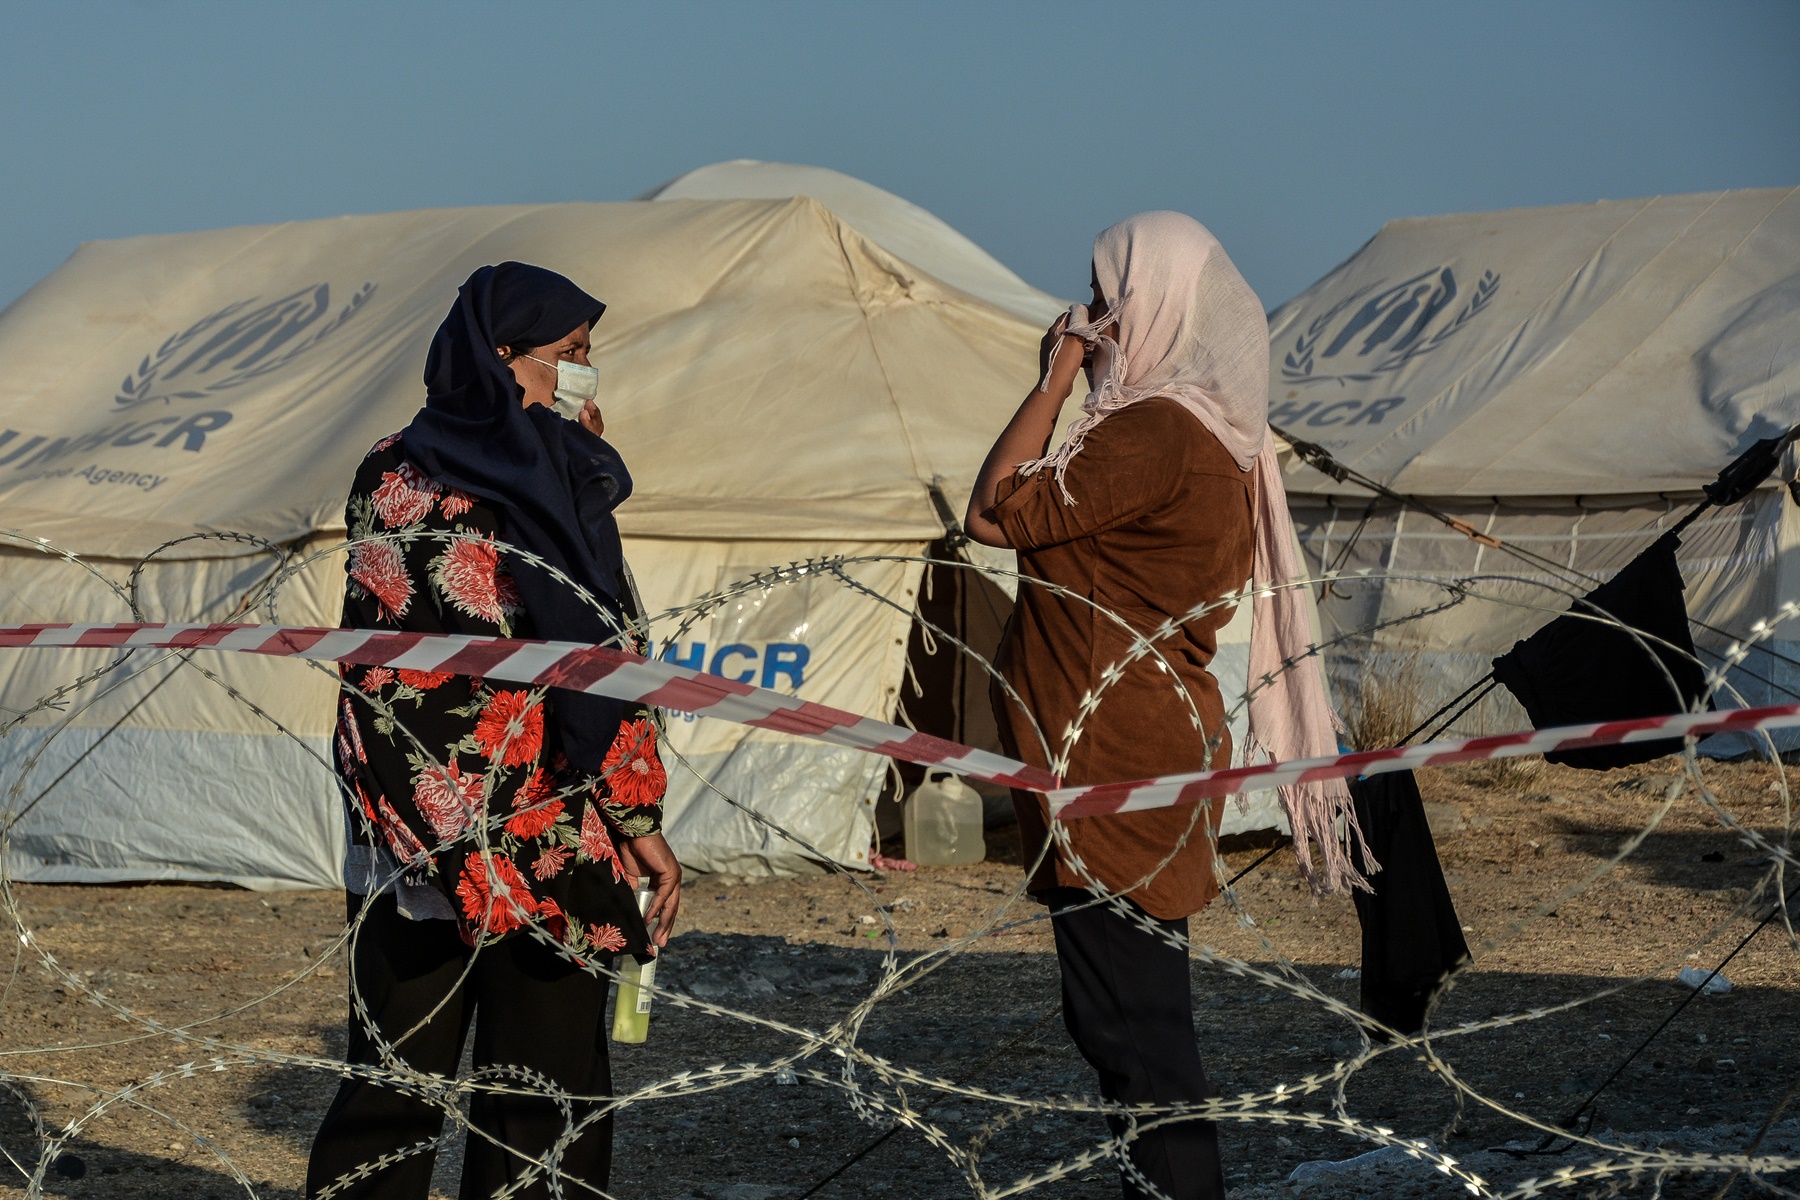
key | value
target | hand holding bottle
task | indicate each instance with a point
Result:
(650, 856)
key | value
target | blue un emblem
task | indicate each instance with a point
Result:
(1380, 328)
(238, 343)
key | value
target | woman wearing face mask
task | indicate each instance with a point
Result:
(497, 831)
(1164, 495)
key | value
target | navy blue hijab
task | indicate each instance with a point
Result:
(556, 483)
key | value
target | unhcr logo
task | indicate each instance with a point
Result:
(1380, 328)
(238, 343)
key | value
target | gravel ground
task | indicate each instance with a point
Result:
(256, 972)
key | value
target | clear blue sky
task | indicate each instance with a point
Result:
(1292, 129)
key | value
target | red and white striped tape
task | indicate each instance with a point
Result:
(1097, 799)
(602, 671)
(626, 676)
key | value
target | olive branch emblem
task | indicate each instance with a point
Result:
(246, 343)
(1297, 365)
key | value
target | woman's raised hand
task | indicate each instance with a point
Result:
(1027, 435)
(1059, 357)
(591, 419)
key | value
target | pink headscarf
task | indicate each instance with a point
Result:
(1191, 329)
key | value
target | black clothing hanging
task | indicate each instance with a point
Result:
(1582, 667)
(1411, 937)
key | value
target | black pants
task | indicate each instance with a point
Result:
(536, 1010)
(1128, 1003)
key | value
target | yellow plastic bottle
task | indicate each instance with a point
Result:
(631, 1006)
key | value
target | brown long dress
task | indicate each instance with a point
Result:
(1162, 521)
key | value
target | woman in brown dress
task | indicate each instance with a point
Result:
(1163, 496)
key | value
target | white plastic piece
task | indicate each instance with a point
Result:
(1324, 1168)
(1697, 978)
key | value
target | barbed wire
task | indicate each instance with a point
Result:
(876, 1088)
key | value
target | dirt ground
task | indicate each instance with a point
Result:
(253, 973)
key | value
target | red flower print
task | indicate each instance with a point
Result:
(376, 678)
(607, 938)
(532, 822)
(632, 769)
(468, 573)
(362, 798)
(383, 444)
(511, 729)
(425, 680)
(556, 922)
(404, 497)
(380, 568)
(534, 790)
(456, 502)
(596, 842)
(549, 862)
(400, 838)
(448, 800)
(348, 724)
(494, 894)
(508, 592)
(538, 808)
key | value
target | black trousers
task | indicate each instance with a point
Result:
(1129, 1005)
(530, 1008)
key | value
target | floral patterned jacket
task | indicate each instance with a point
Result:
(464, 782)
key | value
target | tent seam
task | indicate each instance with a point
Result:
(921, 471)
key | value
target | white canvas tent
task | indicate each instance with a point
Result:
(903, 229)
(1564, 379)
(782, 381)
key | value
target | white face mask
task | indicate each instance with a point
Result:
(575, 385)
